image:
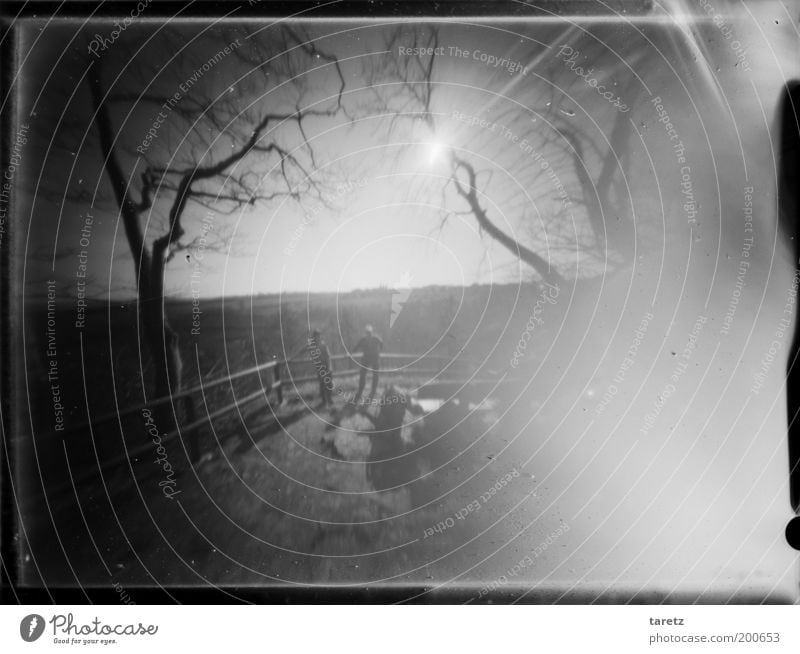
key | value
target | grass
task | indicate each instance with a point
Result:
(283, 494)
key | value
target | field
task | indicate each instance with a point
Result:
(510, 482)
(281, 490)
(103, 368)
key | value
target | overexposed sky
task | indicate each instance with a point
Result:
(387, 186)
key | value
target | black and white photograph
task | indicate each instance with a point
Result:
(422, 302)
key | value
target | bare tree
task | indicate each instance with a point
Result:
(236, 138)
(541, 140)
(469, 191)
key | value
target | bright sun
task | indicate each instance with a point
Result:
(437, 152)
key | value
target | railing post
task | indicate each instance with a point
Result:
(277, 380)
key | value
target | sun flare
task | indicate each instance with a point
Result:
(436, 152)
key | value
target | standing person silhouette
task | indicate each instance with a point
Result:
(370, 346)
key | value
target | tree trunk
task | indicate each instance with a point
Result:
(164, 345)
(610, 222)
(160, 339)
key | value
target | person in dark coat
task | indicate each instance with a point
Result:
(321, 360)
(370, 347)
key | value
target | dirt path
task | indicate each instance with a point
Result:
(294, 505)
(480, 504)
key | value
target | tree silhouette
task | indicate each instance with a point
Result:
(537, 157)
(235, 139)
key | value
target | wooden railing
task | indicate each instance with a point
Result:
(280, 377)
(280, 369)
